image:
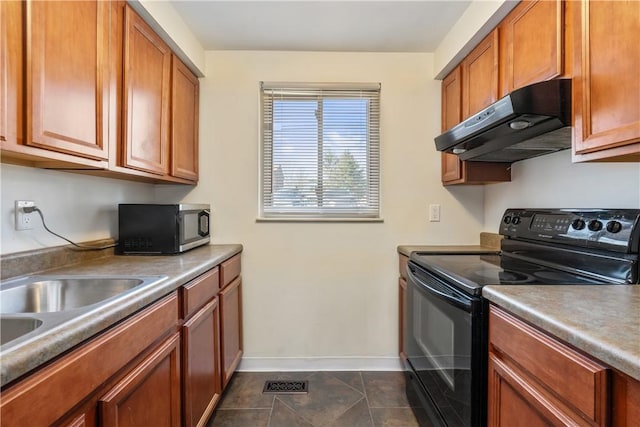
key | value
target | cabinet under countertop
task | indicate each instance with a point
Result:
(179, 270)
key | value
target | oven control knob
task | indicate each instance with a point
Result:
(614, 227)
(595, 225)
(507, 220)
(515, 220)
(578, 224)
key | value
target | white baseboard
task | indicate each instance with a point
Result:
(292, 364)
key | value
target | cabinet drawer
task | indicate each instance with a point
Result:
(199, 291)
(229, 270)
(577, 380)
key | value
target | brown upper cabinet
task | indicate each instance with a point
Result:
(480, 76)
(184, 121)
(88, 85)
(532, 44)
(470, 87)
(67, 77)
(10, 73)
(147, 79)
(606, 83)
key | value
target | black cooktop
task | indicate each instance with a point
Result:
(471, 272)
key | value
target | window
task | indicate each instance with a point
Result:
(320, 151)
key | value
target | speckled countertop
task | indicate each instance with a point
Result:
(179, 269)
(488, 242)
(602, 320)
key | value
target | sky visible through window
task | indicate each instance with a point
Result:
(320, 152)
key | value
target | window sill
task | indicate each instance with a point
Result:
(294, 219)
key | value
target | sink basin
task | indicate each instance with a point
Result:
(13, 328)
(44, 294)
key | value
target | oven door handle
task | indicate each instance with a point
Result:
(442, 291)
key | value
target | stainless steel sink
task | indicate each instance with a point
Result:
(45, 295)
(12, 328)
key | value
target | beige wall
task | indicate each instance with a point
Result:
(79, 207)
(324, 295)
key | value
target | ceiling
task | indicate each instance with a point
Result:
(321, 25)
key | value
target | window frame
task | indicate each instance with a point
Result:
(371, 212)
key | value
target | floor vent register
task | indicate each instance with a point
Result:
(286, 387)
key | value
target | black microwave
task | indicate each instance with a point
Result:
(155, 229)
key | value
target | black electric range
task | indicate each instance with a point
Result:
(445, 330)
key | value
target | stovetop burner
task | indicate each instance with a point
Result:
(472, 272)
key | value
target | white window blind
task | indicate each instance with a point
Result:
(320, 151)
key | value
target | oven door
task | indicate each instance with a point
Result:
(445, 348)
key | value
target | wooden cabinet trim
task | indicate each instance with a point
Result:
(109, 404)
(30, 402)
(199, 291)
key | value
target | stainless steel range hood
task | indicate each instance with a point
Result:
(529, 122)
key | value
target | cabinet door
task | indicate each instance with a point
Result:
(231, 328)
(201, 365)
(10, 72)
(451, 116)
(606, 83)
(147, 68)
(67, 73)
(150, 394)
(533, 40)
(480, 76)
(512, 399)
(453, 170)
(184, 122)
(528, 372)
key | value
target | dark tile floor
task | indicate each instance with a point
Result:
(334, 399)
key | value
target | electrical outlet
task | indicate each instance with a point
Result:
(434, 213)
(24, 221)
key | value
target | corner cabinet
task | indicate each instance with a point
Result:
(606, 84)
(534, 377)
(469, 88)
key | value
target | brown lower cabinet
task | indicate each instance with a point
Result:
(535, 377)
(230, 317)
(164, 366)
(150, 394)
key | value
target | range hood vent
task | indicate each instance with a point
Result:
(529, 122)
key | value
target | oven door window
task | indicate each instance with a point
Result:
(439, 347)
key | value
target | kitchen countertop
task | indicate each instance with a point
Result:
(179, 270)
(600, 320)
(488, 242)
